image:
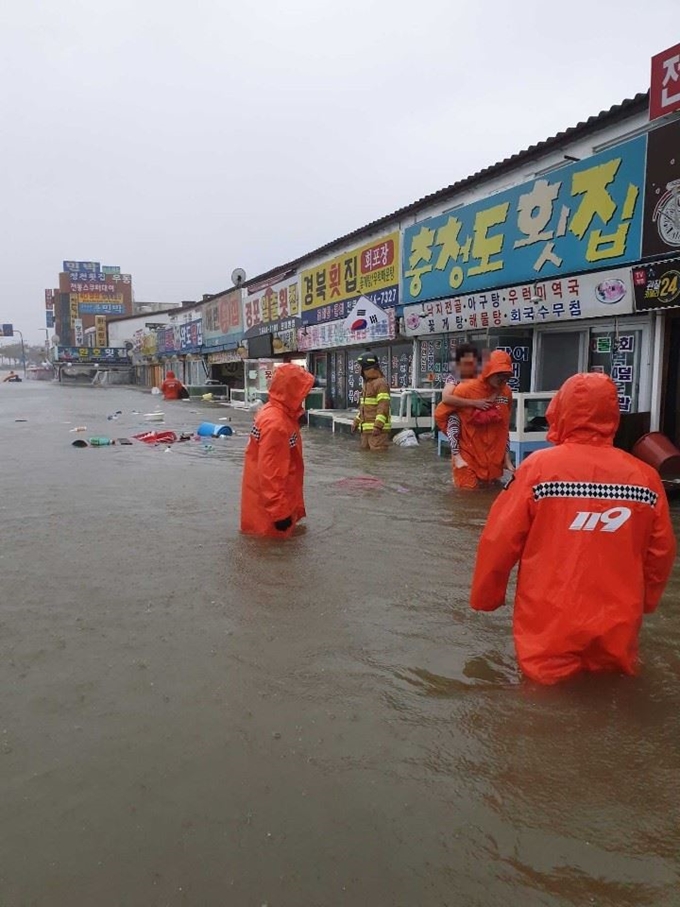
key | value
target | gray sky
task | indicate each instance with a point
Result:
(182, 139)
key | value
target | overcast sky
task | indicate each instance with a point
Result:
(182, 138)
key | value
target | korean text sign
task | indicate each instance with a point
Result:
(265, 310)
(222, 320)
(604, 294)
(657, 286)
(664, 94)
(329, 289)
(88, 354)
(336, 334)
(584, 216)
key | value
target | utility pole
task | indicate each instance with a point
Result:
(23, 349)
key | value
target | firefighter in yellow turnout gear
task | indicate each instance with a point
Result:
(374, 419)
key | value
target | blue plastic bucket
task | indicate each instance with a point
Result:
(210, 430)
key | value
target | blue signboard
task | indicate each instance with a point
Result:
(49, 318)
(101, 308)
(180, 338)
(6, 330)
(92, 354)
(71, 266)
(584, 216)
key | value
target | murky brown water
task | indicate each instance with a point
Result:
(189, 717)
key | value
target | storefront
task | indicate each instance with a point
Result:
(222, 348)
(551, 329)
(333, 350)
(227, 368)
(349, 304)
(178, 349)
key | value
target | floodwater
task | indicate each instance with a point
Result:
(190, 717)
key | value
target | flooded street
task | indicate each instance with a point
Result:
(191, 717)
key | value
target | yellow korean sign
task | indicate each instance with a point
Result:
(97, 298)
(329, 289)
(149, 344)
(100, 330)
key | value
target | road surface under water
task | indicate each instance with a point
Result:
(191, 717)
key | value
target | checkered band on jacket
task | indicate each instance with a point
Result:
(597, 490)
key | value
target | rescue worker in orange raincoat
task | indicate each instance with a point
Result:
(272, 490)
(172, 387)
(590, 527)
(484, 433)
(466, 364)
(374, 419)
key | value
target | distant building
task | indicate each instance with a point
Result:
(140, 307)
(88, 294)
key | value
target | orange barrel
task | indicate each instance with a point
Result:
(660, 452)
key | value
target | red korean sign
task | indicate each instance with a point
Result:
(664, 95)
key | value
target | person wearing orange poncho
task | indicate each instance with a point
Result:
(590, 527)
(484, 434)
(272, 499)
(172, 387)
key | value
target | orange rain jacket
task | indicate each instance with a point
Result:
(590, 527)
(171, 387)
(483, 442)
(274, 470)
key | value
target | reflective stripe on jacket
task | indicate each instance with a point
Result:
(375, 405)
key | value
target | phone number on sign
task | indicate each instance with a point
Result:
(385, 298)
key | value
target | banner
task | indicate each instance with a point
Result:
(101, 308)
(273, 309)
(222, 319)
(336, 334)
(103, 288)
(97, 299)
(180, 338)
(664, 94)
(149, 344)
(657, 286)
(661, 230)
(189, 336)
(330, 289)
(100, 330)
(49, 299)
(582, 217)
(86, 354)
(608, 293)
(224, 357)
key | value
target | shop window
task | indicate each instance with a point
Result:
(434, 358)
(561, 356)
